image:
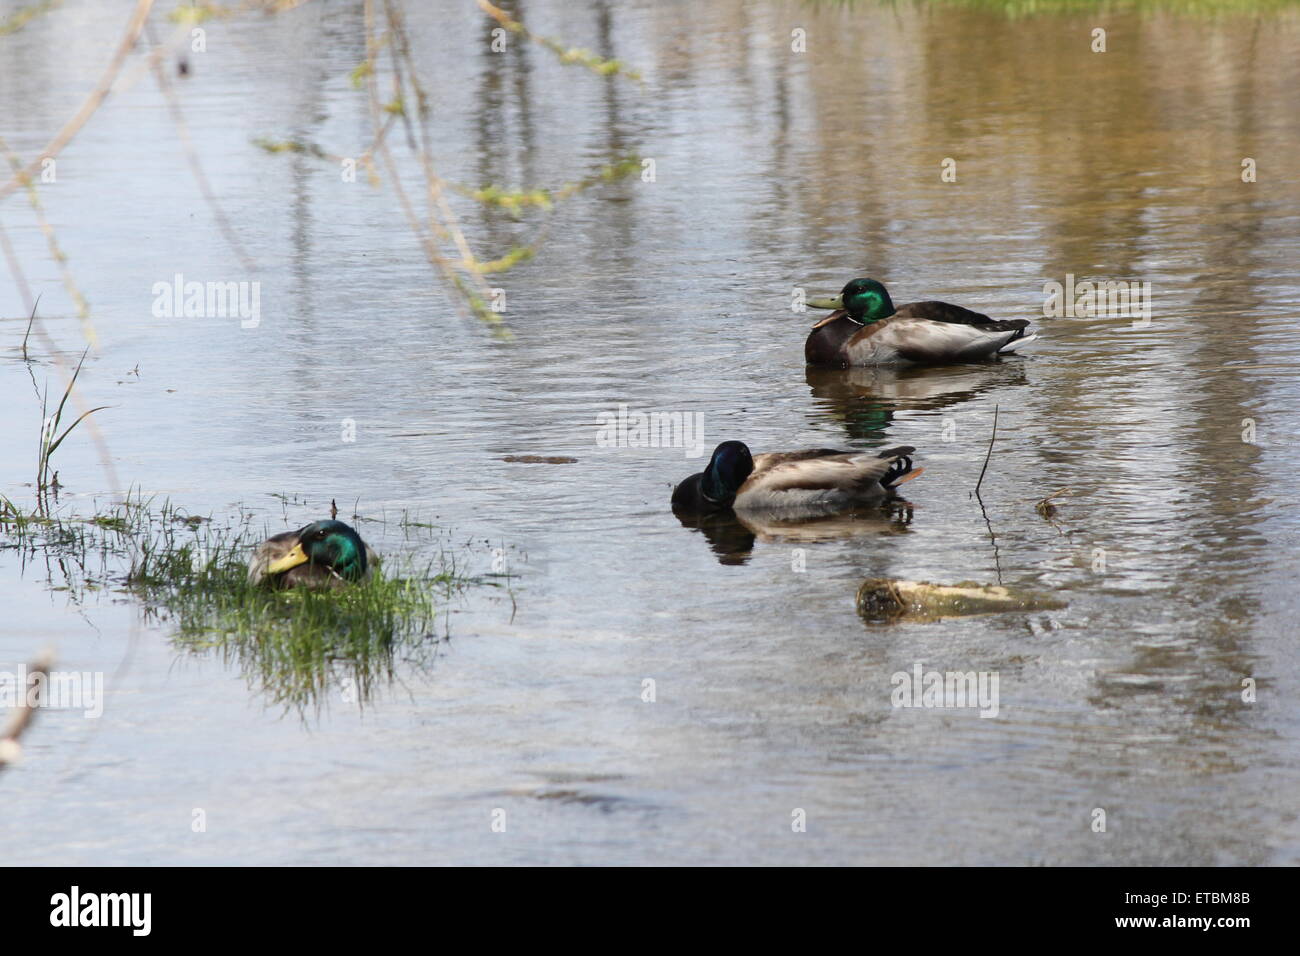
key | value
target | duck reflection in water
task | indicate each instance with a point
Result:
(866, 399)
(731, 536)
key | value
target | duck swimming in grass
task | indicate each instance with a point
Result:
(866, 329)
(325, 554)
(815, 481)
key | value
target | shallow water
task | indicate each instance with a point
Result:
(774, 170)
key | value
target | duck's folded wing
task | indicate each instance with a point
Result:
(772, 458)
(955, 314)
(944, 312)
(845, 472)
(924, 340)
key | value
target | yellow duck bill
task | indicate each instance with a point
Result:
(832, 302)
(295, 557)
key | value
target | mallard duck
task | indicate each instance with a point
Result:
(866, 329)
(814, 481)
(325, 554)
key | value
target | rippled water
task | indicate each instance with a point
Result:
(774, 170)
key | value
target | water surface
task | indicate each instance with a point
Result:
(774, 170)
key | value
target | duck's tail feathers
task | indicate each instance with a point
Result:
(906, 477)
(1011, 347)
(900, 469)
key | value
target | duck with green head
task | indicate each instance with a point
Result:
(810, 482)
(864, 328)
(325, 554)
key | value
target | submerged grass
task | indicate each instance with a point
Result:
(295, 645)
(299, 648)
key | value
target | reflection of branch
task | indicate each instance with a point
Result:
(401, 51)
(468, 279)
(10, 749)
(567, 55)
(513, 201)
(92, 101)
(997, 558)
(365, 158)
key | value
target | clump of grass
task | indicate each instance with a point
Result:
(52, 438)
(297, 647)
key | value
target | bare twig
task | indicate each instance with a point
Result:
(196, 167)
(91, 102)
(24, 15)
(10, 748)
(69, 374)
(52, 241)
(468, 279)
(990, 451)
(15, 268)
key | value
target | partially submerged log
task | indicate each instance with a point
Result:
(884, 599)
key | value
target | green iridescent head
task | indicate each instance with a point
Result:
(866, 301)
(329, 544)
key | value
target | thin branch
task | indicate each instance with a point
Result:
(91, 102)
(196, 167)
(36, 324)
(56, 251)
(19, 277)
(24, 15)
(10, 748)
(471, 284)
(992, 438)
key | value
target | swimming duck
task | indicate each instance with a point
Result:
(814, 481)
(866, 329)
(325, 554)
